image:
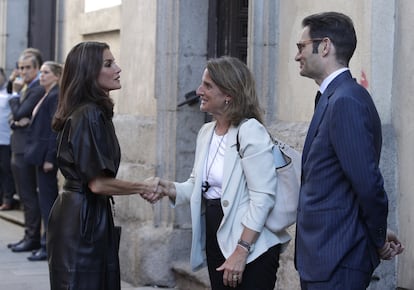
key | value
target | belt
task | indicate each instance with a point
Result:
(73, 185)
(213, 202)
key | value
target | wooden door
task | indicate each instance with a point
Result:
(227, 34)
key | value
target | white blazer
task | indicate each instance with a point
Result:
(246, 198)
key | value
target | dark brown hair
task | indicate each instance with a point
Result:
(79, 83)
(339, 28)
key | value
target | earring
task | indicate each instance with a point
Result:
(226, 102)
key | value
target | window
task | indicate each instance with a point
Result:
(93, 5)
(228, 28)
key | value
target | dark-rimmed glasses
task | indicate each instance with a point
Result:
(301, 45)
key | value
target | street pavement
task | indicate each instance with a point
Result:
(16, 272)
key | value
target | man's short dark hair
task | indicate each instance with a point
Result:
(336, 26)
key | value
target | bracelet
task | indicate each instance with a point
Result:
(244, 248)
(245, 245)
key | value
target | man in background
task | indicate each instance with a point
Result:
(26, 94)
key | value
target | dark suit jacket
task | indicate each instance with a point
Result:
(21, 109)
(41, 139)
(343, 208)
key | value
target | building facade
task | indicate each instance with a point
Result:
(162, 47)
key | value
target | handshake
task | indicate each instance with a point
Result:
(157, 188)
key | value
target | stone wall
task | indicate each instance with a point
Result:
(13, 32)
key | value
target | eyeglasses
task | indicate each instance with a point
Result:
(301, 45)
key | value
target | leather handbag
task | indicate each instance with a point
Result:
(288, 171)
(287, 162)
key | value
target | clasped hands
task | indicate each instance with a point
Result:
(392, 247)
(158, 189)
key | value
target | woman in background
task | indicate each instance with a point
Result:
(41, 147)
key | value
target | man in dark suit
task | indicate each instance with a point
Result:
(342, 214)
(22, 102)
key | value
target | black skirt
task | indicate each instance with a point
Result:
(260, 274)
(82, 243)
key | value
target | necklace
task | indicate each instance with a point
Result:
(205, 185)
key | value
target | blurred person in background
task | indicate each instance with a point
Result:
(6, 178)
(40, 148)
(26, 94)
(15, 75)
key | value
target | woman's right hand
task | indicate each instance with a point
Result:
(18, 84)
(154, 191)
(164, 188)
(233, 267)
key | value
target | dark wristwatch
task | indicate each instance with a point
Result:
(245, 245)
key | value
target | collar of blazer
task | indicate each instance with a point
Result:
(230, 157)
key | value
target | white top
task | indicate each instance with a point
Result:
(213, 169)
(4, 117)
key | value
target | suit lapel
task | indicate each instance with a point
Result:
(23, 95)
(320, 111)
(314, 125)
(229, 157)
(205, 140)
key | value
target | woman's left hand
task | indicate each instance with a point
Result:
(233, 267)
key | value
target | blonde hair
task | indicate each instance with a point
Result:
(55, 67)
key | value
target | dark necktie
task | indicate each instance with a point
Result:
(317, 97)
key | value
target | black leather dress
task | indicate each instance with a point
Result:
(81, 241)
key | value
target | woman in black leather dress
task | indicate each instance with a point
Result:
(82, 242)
